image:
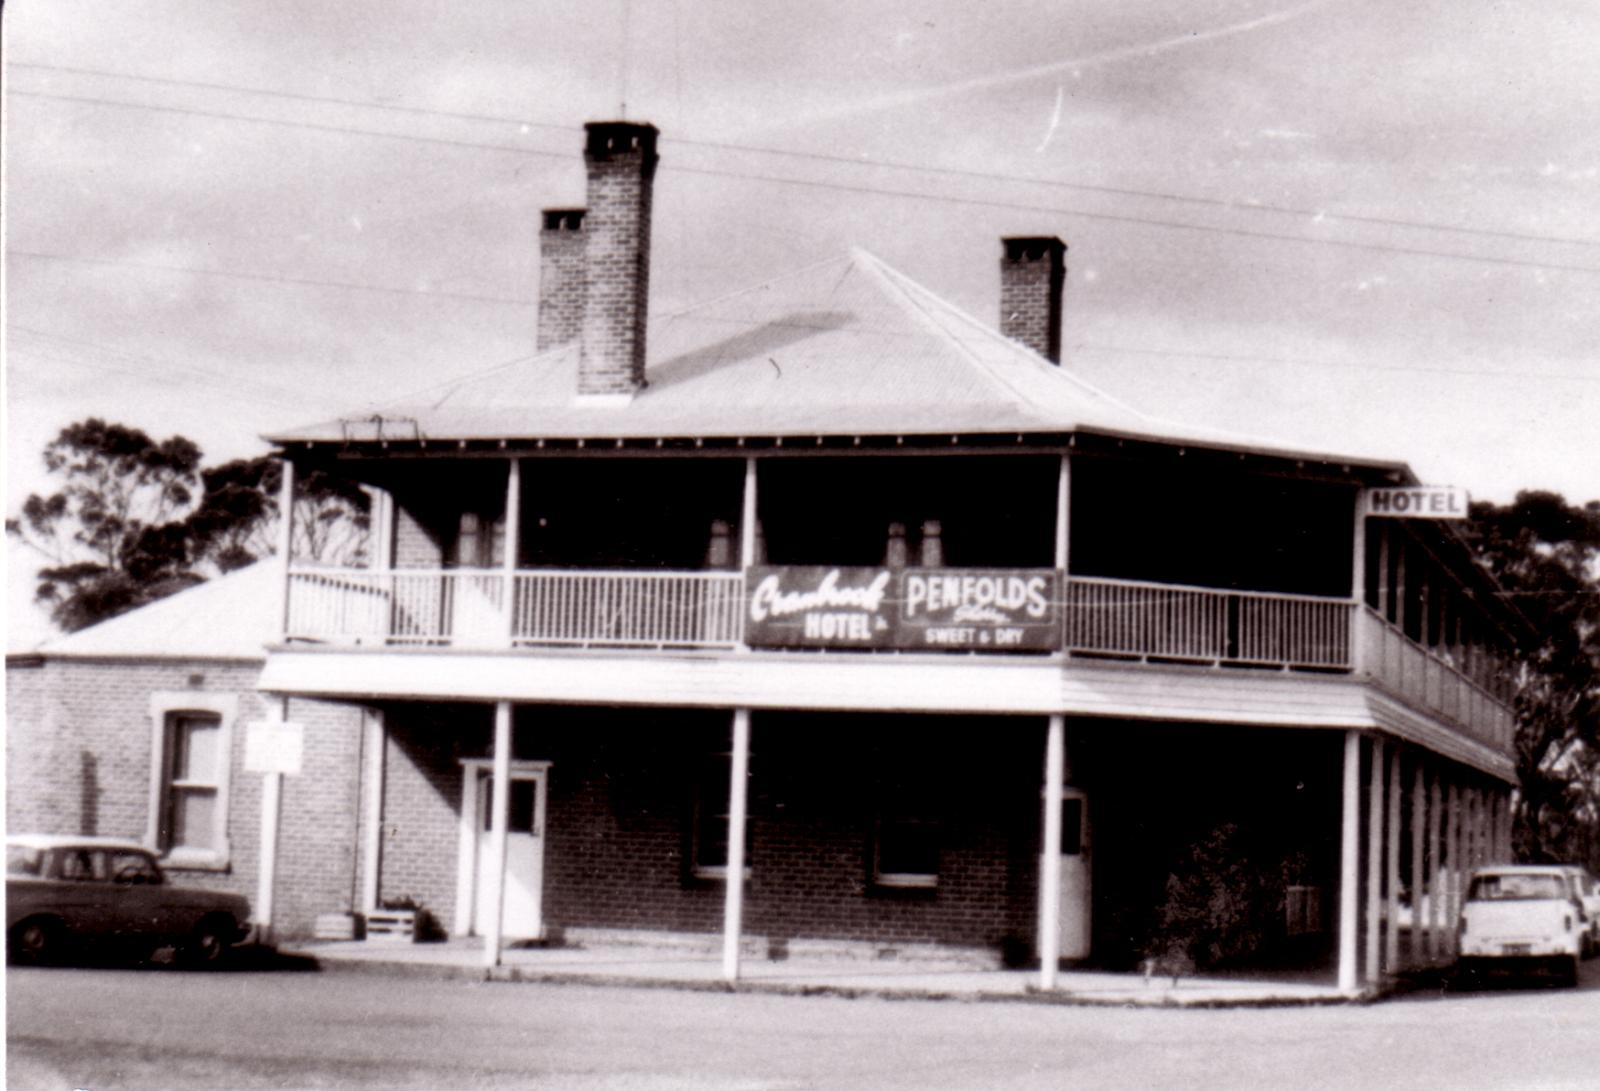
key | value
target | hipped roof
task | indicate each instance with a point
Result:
(230, 617)
(841, 348)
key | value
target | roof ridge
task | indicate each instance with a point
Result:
(1059, 372)
(746, 290)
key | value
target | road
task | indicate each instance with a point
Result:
(106, 1029)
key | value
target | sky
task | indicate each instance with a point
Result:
(1352, 226)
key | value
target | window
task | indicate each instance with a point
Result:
(708, 838)
(905, 844)
(191, 748)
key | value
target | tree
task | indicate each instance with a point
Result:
(235, 522)
(1545, 553)
(135, 520)
(112, 535)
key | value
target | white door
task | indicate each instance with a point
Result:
(524, 889)
(1075, 871)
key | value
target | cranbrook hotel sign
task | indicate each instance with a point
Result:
(981, 609)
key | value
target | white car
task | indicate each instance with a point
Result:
(1523, 917)
(1588, 888)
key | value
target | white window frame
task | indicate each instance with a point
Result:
(713, 872)
(164, 705)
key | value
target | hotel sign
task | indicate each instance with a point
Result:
(813, 607)
(918, 608)
(1417, 502)
(983, 609)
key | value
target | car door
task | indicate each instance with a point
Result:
(140, 904)
(82, 893)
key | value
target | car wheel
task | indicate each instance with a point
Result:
(36, 941)
(208, 944)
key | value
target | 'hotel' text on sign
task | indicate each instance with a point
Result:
(1417, 502)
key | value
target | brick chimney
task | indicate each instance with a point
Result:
(561, 277)
(621, 161)
(1032, 272)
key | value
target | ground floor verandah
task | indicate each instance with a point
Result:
(699, 966)
(900, 831)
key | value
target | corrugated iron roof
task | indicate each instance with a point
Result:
(843, 347)
(230, 617)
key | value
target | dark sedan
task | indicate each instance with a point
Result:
(74, 896)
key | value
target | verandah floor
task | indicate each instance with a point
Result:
(901, 977)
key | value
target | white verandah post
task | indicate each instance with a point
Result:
(1374, 907)
(1391, 907)
(1349, 860)
(513, 537)
(1415, 951)
(738, 798)
(375, 742)
(1050, 854)
(1436, 872)
(499, 813)
(285, 543)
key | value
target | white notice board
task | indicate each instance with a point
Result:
(273, 746)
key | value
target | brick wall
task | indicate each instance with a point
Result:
(620, 813)
(1032, 274)
(561, 277)
(621, 161)
(78, 749)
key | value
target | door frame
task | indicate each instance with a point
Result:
(467, 832)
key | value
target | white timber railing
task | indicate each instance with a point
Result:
(1206, 625)
(1433, 681)
(650, 609)
(465, 608)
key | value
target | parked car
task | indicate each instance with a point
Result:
(1588, 888)
(1522, 917)
(69, 896)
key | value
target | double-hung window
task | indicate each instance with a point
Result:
(191, 744)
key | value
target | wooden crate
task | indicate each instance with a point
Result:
(392, 926)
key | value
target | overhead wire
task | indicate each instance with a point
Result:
(909, 194)
(1322, 215)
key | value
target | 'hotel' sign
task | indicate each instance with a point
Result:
(1417, 502)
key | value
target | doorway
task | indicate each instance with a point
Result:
(523, 914)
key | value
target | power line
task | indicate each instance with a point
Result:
(916, 195)
(1177, 225)
(1232, 358)
(140, 365)
(314, 126)
(302, 282)
(1231, 205)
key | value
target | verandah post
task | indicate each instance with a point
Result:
(738, 797)
(1050, 853)
(1374, 906)
(1349, 860)
(499, 814)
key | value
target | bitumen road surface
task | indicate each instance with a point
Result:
(160, 1028)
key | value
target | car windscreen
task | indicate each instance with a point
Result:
(1506, 888)
(23, 860)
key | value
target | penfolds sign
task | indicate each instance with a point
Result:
(980, 609)
(918, 608)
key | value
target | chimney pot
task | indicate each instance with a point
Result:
(1033, 272)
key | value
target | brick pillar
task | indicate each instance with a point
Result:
(1032, 273)
(561, 277)
(621, 160)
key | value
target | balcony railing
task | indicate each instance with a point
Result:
(1432, 681)
(1203, 625)
(466, 609)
